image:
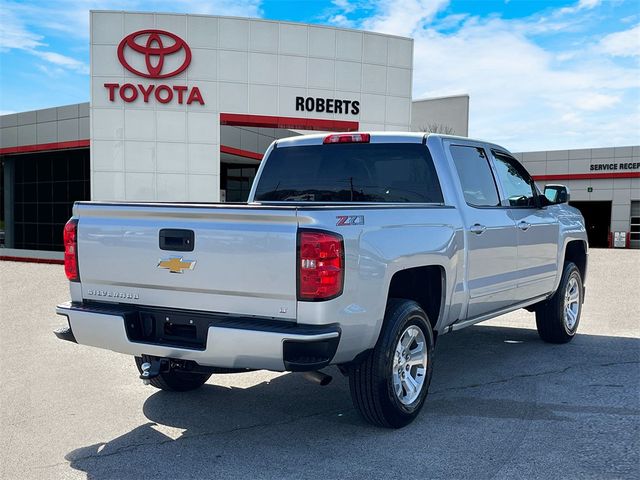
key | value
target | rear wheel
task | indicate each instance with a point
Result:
(175, 380)
(557, 319)
(389, 386)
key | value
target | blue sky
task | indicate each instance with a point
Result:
(541, 74)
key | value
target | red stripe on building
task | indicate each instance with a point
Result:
(31, 260)
(241, 153)
(41, 147)
(586, 176)
(267, 121)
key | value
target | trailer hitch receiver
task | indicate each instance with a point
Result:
(153, 367)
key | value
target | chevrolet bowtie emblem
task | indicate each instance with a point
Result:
(177, 265)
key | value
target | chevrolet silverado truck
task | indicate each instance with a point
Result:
(354, 249)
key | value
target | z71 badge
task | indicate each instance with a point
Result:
(346, 220)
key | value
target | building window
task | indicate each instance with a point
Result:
(46, 185)
(237, 181)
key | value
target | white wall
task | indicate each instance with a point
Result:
(155, 151)
(448, 112)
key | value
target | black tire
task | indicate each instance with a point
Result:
(550, 315)
(371, 379)
(175, 381)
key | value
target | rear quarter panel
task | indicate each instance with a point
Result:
(392, 238)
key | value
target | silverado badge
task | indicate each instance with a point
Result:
(177, 264)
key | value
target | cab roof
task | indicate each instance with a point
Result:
(374, 137)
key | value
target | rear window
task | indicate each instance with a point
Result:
(358, 172)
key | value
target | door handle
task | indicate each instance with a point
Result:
(477, 229)
(524, 226)
(176, 240)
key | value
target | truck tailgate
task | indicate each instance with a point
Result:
(244, 256)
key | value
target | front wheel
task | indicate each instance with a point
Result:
(557, 319)
(389, 386)
(174, 380)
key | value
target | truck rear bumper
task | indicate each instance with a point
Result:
(226, 340)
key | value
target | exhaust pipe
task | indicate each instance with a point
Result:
(318, 377)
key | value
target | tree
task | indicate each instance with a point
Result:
(437, 128)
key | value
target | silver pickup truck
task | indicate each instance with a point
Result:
(356, 250)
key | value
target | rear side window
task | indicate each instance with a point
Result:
(478, 184)
(358, 172)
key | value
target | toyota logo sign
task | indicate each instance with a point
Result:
(154, 51)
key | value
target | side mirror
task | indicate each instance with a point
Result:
(556, 194)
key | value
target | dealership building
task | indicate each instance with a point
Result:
(182, 107)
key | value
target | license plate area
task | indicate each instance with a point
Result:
(157, 327)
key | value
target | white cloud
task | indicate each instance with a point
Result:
(341, 20)
(238, 8)
(581, 5)
(598, 101)
(62, 61)
(27, 26)
(16, 35)
(452, 21)
(344, 5)
(13, 33)
(71, 17)
(522, 94)
(589, 4)
(51, 71)
(402, 17)
(622, 44)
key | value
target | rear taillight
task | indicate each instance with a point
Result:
(347, 138)
(71, 250)
(320, 265)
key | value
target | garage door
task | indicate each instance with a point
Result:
(635, 224)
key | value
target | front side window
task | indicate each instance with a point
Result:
(516, 182)
(478, 184)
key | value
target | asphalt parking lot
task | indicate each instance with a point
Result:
(502, 403)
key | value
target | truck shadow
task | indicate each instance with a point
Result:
(491, 375)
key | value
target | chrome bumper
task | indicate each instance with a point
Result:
(231, 342)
